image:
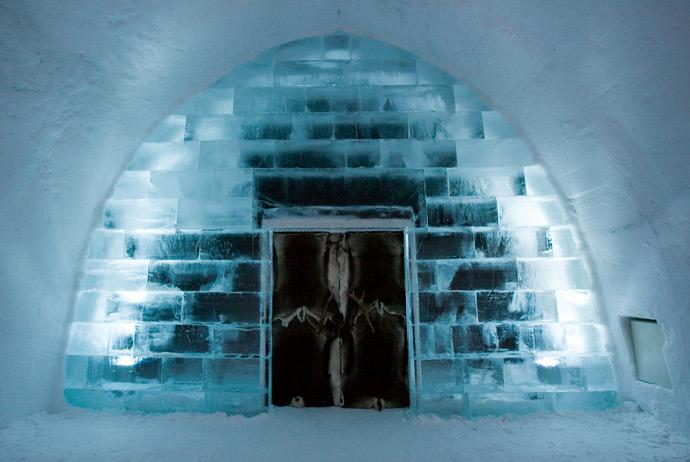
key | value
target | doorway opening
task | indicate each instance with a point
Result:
(339, 326)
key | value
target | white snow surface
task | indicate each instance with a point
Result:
(334, 434)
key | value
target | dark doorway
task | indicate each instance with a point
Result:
(339, 320)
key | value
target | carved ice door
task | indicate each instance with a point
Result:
(339, 325)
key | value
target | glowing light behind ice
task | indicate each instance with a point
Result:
(173, 310)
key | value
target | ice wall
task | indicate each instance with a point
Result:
(173, 310)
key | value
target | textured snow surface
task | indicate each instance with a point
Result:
(336, 434)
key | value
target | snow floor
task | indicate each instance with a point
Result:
(334, 434)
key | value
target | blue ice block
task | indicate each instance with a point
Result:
(140, 214)
(237, 341)
(178, 184)
(183, 374)
(240, 375)
(132, 184)
(162, 246)
(165, 156)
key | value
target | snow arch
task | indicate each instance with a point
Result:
(174, 310)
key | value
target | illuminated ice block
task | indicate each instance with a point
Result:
(107, 244)
(133, 184)
(234, 374)
(115, 275)
(530, 211)
(179, 184)
(88, 338)
(165, 156)
(141, 214)
(197, 214)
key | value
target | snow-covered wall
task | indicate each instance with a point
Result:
(600, 91)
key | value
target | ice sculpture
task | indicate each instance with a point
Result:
(336, 133)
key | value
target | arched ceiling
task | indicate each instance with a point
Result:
(600, 92)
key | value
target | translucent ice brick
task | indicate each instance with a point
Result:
(332, 99)
(308, 154)
(530, 211)
(178, 339)
(233, 374)
(598, 373)
(508, 403)
(121, 338)
(536, 181)
(88, 339)
(252, 74)
(206, 276)
(496, 127)
(167, 246)
(76, 371)
(467, 99)
(235, 403)
(95, 399)
(210, 128)
(483, 375)
(474, 338)
(454, 125)
(515, 242)
(267, 127)
(178, 184)
(140, 214)
(210, 101)
(444, 245)
(380, 126)
(381, 72)
(584, 401)
(257, 154)
(563, 242)
(147, 400)
(415, 99)
(166, 156)
(469, 211)
(493, 153)
(495, 274)
(183, 373)
(435, 182)
(254, 100)
(447, 307)
(336, 47)
(519, 374)
(115, 275)
(309, 73)
(144, 306)
(312, 127)
(576, 306)
(444, 404)
(171, 129)
(232, 183)
(132, 184)
(553, 274)
(220, 154)
(441, 375)
(90, 306)
(224, 308)
(230, 213)
(486, 182)
(435, 341)
(361, 154)
(107, 244)
(309, 49)
(230, 246)
(237, 341)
